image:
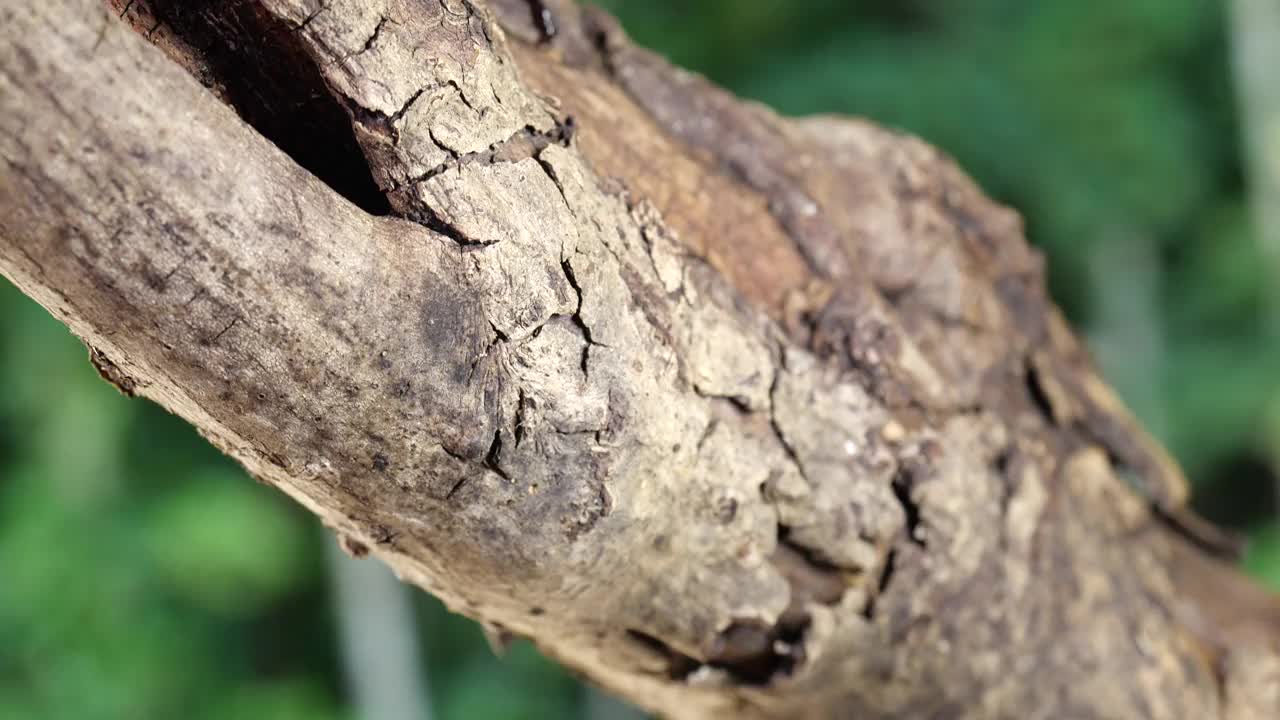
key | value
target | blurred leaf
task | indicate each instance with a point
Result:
(1218, 394)
(1217, 284)
(288, 699)
(1262, 559)
(220, 546)
(533, 688)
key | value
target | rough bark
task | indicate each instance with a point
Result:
(730, 413)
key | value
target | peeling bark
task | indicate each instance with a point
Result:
(730, 413)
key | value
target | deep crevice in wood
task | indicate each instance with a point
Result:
(258, 65)
(903, 485)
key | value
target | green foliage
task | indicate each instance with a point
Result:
(1263, 558)
(217, 545)
(142, 576)
(100, 617)
(286, 700)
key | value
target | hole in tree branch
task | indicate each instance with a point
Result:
(257, 64)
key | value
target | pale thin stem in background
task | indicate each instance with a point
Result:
(1255, 43)
(1127, 335)
(382, 661)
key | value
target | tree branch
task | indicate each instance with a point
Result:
(729, 412)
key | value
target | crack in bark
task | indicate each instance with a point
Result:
(498, 338)
(426, 216)
(369, 43)
(751, 652)
(518, 429)
(882, 583)
(525, 143)
(218, 336)
(773, 419)
(493, 457)
(311, 17)
(377, 121)
(568, 127)
(903, 483)
(577, 317)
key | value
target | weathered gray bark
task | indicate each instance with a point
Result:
(728, 412)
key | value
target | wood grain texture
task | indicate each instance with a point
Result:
(731, 413)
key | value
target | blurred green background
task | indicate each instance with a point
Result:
(143, 576)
